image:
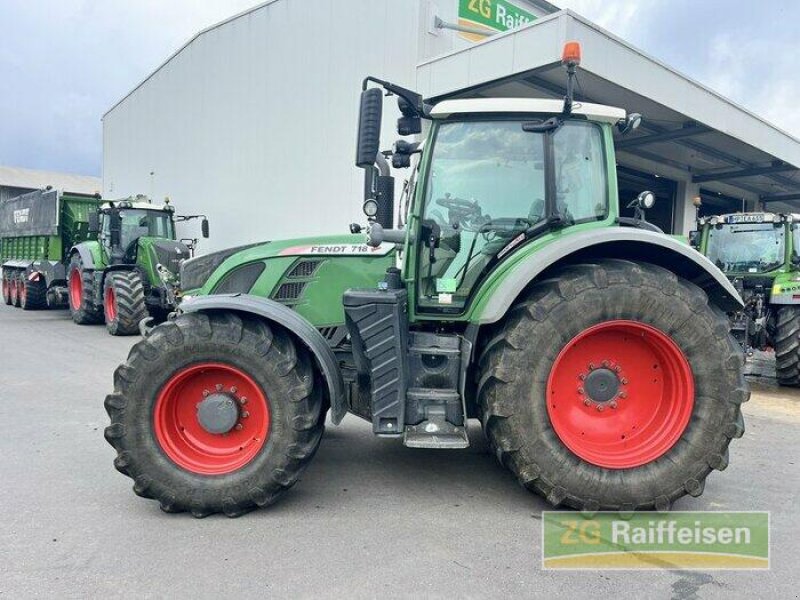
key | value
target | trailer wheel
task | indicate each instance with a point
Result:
(14, 289)
(80, 287)
(33, 293)
(787, 346)
(215, 413)
(613, 386)
(6, 287)
(123, 302)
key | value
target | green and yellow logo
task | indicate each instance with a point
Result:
(492, 15)
(677, 540)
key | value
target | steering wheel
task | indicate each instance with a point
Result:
(460, 206)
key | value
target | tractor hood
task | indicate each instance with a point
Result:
(200, 275)
(154, 251)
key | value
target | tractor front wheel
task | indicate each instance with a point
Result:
(123, 302)
(613, 386)
(215, 413)
(80, 288)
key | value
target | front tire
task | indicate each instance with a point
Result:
(613, 386)
(6, 287)
(123, 302)
(190, 464)
(80, 288)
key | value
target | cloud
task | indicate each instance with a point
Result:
(64, 63)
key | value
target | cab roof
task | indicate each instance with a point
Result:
(593, 112)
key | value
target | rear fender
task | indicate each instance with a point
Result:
(611, 242)
(296, 325)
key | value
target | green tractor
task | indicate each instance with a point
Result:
(128, 274)
(594, 351)
(760, 254)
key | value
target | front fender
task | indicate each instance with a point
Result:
(496, 297)
(90, 253)
(292, 322)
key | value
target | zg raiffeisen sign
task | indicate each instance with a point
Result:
(492, 15)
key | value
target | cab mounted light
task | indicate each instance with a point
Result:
(570, 58)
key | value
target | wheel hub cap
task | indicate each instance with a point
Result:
(218, 413)
(602, 385)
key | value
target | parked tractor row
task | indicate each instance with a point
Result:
(594, 350)
(111, 261)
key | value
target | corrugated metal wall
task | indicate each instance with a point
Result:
(254, 122)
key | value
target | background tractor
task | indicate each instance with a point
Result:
(594, 351)
(760, 254)
(111, 261)
(130, 272)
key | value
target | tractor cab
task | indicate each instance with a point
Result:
(123, 223)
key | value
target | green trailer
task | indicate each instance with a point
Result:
(37, 232)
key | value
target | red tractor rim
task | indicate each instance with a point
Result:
(13, 285)
(6, 290)
(186, 439)
(620, 394)
(75, 289)
(22, 291)
(110, 304)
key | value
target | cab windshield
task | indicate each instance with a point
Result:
(746, 247)
(138, 223)
(487, 192)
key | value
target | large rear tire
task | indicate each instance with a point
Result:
(123, 302)
(787, 346)
(243, 369)
(33, 293)
(613, 386)
(80, 288)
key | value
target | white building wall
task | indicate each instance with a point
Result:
(253, 123)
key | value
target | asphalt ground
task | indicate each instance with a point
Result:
(370, 518)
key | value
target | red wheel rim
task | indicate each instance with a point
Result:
(23, 290)
(620, 394)
(14, 290)
(75, 289)
(5, 288)
(110, 304)
(184, 439)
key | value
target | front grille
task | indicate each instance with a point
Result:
(290, 291)
(304, 268)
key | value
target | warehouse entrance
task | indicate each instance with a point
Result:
(632, 182)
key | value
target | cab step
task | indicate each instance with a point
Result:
(436, 432)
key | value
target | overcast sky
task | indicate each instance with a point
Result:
(63, 63)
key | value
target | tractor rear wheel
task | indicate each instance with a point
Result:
(123, 302)
(215, 413)
(80, 287)
(787, 346)
(613, 386)
(32, 293)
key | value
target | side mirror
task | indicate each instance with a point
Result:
(629, 123)
(410, 123)
(204, 227)
(369, 127)
(694, 239)
(94, 223)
